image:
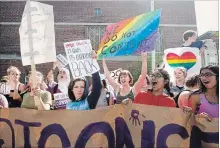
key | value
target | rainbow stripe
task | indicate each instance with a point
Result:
(130, 36)
(186, 60)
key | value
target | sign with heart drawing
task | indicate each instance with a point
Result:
(186, 57)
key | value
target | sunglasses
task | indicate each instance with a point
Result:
(207, 74)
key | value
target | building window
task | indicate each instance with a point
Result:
(94, 33)
(98, 11)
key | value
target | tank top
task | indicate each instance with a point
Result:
(210, 109)
(11, 102)
(120, 98)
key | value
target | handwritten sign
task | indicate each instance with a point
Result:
(114, 126)
(79, 55)
(62, 60)
(186, 57)
(130, 36)
(43, 37)
(115, 73)
(61, 99)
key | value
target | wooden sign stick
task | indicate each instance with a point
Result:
(30, 41)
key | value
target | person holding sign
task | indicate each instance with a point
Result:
(205, 102)
(78, 92)
(160, 80)
(37, 98)
(14, 87)
(122, 87)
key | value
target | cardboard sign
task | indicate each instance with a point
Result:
(114, 126)
(186, 57)
(62, 60)
(61, 99)
(130, 36)
(42, 31)
(79, 55)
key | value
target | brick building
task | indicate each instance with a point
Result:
(75, 20)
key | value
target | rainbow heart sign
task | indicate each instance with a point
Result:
(186, 60)
(130, 36)
(187, 57)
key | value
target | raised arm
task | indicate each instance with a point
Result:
(111, 81)
(95, 92)
(138, 85)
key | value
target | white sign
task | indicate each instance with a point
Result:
(115, 73)
(42, 31)
(61, 99)
(186, 57)
(79, 55)
(62, 60)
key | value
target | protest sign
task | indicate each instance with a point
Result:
(79, 56)
(115, 73)
(186, 57)
(115, 126)
(130, 36)
(38, 34)
(61, 99)
(62, 60)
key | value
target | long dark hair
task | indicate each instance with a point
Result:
(70, 89)
(166, 77)
(215, 70)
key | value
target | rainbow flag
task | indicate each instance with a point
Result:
(130, 36)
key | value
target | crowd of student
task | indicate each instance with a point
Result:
(199, 92)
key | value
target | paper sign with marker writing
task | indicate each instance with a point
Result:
(62, 60)
(115, 73)
(187, 57)
(130, 36)
(61, 99)
(79, 56)
(42, 34)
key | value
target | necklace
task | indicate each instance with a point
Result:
(213, 99)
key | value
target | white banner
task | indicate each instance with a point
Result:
(186, 57)
(42, 34)
(79, 55)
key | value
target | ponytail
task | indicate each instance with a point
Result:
(167, 87)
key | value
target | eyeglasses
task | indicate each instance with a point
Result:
(156, 75)
(207, 74)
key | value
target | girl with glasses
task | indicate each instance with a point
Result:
(205, 101)
(160, 80)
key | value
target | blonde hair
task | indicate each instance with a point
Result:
(181, 69)
(12, 68)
